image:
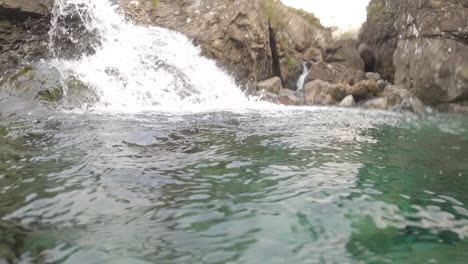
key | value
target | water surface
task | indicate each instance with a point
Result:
(318, 185)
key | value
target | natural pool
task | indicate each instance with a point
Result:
(298, 185)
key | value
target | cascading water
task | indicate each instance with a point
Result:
(301, 80)
(135, 68)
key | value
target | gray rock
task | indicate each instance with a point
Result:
(453, 108)
(372, 76)
(323, 93)
(348, 101)
(413, 104)
(421, 46)
(272, 85)
(39, 7)
(377, 103)
(38, 81)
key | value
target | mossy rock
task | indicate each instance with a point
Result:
(34, 82)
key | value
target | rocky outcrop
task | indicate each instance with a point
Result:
(335, 73)
(422, 45)
(24, 25)
(253, 39)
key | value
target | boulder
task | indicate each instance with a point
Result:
(288, 97)
(272, 85)
(348, 101)
(363, 89)
(333, 73)
(319, 92)
(381, 84)
(38, 81)
(372, 76)
(376, 103)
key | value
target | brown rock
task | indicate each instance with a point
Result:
(335, 73)
(272, 85)
(363, 89)
(323, 93)
(287, 97)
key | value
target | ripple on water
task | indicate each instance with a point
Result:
(322, 186)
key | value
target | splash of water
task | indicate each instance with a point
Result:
(136, 68)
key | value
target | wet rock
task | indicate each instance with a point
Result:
(319, 92)
(348, 101)
(33, 7)
(372, 76)
(453, 108)
(333, 73)
(272, 85)
(377, 103)
(363, 90)
(24, 27)
(288, 97)
(413, 105)
(36, 82)
(344, 52)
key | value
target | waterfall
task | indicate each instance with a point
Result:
(135, 68)
(302, 78)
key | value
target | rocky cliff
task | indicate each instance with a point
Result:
(422, 45)
(253, 39)
(23, 31)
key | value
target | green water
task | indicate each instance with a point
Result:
(293, 186)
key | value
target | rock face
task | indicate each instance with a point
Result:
(253, 39)
(335, 73)
(24, 25)
(423, 45)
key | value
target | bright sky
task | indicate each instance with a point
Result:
(344, 14)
